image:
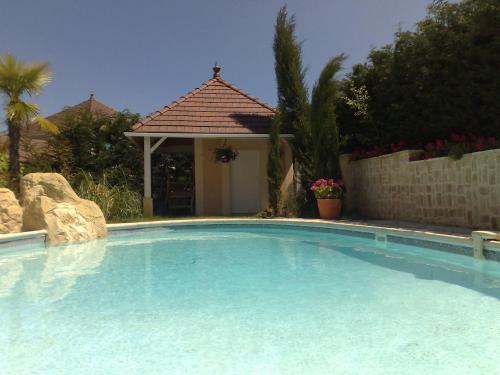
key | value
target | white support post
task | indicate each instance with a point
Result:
(148, 200)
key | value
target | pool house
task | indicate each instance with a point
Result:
(181, 172)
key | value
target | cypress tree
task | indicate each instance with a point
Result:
(274, 171)
(293, 102)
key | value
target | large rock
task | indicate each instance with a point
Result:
(11, 213)
(50, 203)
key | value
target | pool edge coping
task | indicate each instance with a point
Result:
(378, 231)
(23, 237)
(419, 234)
(453, 239)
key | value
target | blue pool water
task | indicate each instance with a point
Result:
(246, 300)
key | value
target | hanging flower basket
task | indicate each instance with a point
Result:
(225, 154)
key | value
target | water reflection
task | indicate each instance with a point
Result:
(53, 278)
(10, 274)
(63, 266)
(472, 277)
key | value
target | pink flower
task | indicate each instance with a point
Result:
(492, 141)
(457, 138)
(430, 145)
(426, 155)
(358, 151)
(439, 145)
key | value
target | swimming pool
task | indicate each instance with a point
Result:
(246, 299)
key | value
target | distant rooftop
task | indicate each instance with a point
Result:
(38, 138)
(91, 104)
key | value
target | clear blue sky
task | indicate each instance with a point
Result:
(143, 54)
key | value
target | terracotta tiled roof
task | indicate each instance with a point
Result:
(216, 107)
(91, 104)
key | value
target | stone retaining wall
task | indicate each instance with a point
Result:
(442, 191)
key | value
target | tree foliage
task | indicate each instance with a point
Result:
(325, 133)
(443, 78)
(313, 124)
(96, 144)
(293, 101)
(274, 169)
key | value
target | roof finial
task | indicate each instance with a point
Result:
(91, 96)
(216, 70)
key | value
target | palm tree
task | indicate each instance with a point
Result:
(18, 80)
(324, 129)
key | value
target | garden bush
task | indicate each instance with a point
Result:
(4, 167)
(430, 83)
(96, 143)
(117, 201)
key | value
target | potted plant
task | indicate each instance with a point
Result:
(328, 195)
(225, 154)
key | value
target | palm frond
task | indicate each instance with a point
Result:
(17, 77)
(324, 129)
(21, 111)
(46, 125)
(36, 76)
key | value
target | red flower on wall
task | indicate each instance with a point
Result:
(456, 144)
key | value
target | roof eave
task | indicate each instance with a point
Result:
(203, 135)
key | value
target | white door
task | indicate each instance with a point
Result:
(245, 183)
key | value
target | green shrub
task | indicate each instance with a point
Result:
(96, 143)
(442, 78)
(274, 168)
(117, 202)
(37, 162)
(4, 168)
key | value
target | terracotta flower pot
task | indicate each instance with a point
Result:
(329, 209)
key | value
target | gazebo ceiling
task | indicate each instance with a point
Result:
(216, 107)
